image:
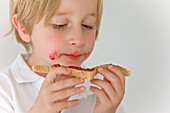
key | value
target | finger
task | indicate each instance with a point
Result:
(54, 72)
(103, 98)
(114, 80)
(67, 104)
(118, 73)
(63, 77)
(106, 86)
(63, 94)
(62, 84)
(104, 78)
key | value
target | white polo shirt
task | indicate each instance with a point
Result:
(19, 87)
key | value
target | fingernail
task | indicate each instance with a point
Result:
(82, 80)
(68, 70)
(82, 88)
(78, 101)
(100, 69)
(110, 67)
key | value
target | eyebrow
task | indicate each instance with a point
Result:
(92, 14)
(62, 13)
(66, 13)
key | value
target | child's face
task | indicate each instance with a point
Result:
(69, 38)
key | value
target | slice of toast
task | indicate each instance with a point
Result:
(81, 73)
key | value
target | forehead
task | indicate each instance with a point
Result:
(77, 6)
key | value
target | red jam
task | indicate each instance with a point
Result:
(53, 55)
(56, 65)
(75, 67)
(87, 54)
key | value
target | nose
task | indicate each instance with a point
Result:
(76, 38)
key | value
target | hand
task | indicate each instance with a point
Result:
(112, 90)
(55, 91)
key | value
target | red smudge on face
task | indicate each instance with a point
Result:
(87, 54)
(53, 55)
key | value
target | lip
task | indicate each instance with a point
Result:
(73, 56)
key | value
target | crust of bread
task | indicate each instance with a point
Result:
(123, 70)
(79, 73)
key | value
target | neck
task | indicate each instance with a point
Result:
(34, 61)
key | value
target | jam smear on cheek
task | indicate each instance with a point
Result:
(53, 55)
(87, 54)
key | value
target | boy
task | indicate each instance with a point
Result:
(57, 32)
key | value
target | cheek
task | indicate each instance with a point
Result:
(87, 54)
(90, 48)
(91, 39)
(90, 44)
(48, 44)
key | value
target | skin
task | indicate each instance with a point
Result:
(69, 39)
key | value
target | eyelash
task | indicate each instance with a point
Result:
(55, 26)
(87, 26)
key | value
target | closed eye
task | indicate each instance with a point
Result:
(87, 26)
(62, 26)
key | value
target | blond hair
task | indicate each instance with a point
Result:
(30, 12)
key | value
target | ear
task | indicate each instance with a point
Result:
(24, 36)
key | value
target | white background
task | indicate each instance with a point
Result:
(134, 34)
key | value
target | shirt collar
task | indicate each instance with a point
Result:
(22, 72)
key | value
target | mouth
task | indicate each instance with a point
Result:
(73, 56)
